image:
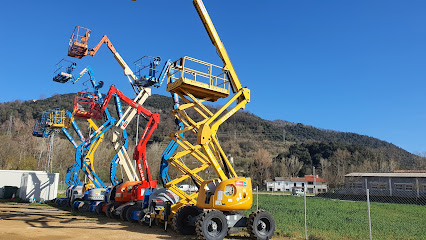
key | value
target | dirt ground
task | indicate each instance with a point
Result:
(24, 221)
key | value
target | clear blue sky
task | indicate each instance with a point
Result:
(355, 66)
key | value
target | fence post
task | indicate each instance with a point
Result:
(257, 198)
(306, 227)
(369, 215)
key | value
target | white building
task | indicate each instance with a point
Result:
(282, 184)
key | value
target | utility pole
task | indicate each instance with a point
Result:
(315, 181)
(283, 135)
(9, 129)
(49, 165)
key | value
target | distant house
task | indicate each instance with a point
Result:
(317, 184)
(398, 183)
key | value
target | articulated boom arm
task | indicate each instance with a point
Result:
(88, 70)
(113, 90)
(120, 144)
(139, 155)
(86, 150)
(76, 128)
(214, 37)
(78, 48)
(120, 60)
(170, 149)
(85, 156)
(134, 108)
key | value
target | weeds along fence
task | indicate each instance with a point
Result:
(346, 214)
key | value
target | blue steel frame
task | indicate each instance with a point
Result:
(108, 123)
(170, 149)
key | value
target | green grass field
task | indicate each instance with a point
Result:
(336, 219)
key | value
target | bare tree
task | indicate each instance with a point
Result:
(261, 167)
(293, 165)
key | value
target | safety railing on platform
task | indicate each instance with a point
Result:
(145, 71)
(78, 45)
(59, 119)
(86, 106)
(63, 71)
(200, 71)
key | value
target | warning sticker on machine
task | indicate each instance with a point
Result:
(239, 183)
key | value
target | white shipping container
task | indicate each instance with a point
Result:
(33, 185)
(39, 187)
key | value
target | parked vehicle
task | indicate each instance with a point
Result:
(297, 192)
(188, 188)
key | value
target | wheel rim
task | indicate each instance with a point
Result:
(214, 227)
(263, 226)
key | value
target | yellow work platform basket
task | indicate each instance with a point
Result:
(201, 79)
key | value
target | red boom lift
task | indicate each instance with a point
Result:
(130, 193)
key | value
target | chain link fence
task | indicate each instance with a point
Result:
(347, 213)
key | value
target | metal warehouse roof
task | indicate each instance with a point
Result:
(421, 175)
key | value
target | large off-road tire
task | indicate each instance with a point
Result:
(98, 209)
(261, 225)
(123, 213)
(211, 225)
(84, 207)
(64, 203)
(76, 207)
(129, 212)
(113, 214)
(180, 222)
(110, 210)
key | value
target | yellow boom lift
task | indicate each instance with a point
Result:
(59, 119)
(213, 211)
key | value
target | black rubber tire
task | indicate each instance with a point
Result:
(109, 209)
(180, 220)
(64, 203)
(77, 208)
(154, 222)
(113, 215)
(211, 225)
(84, 207)
(123, 213)
(99, 207)
(129, 213)
(261, 225)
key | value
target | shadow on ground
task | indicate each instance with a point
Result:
(54, 217)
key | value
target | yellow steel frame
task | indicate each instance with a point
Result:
(61, 120)
(89, 158)
(207, 149)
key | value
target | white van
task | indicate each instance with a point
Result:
(188, 188)
(297, 192)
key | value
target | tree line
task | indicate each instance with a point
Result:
(260, 148)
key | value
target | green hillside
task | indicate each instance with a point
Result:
(260, 148)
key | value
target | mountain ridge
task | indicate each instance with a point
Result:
(290, 148)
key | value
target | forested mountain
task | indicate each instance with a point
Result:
(260, 148)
